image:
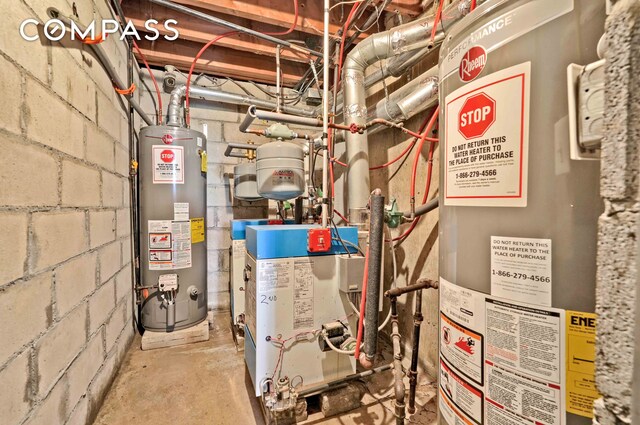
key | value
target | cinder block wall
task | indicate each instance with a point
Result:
(618, 287)
(65, 270)
(220, 124)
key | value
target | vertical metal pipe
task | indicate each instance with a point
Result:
(325, 115)
(376, 238)
(278, 82)
(397, 364)
(413, 370)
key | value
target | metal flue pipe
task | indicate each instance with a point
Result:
(217, 21)
(369, 51)
(178, 94)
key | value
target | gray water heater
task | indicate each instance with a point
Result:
(173, 252)
(518, 218)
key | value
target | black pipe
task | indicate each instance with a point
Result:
(376, 238)
(298, 210)
(307, 392)
(422, 283)
(393, 294)
(415, 344)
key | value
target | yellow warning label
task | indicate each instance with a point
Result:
(197, 230)
(203, 161)
(581, 356)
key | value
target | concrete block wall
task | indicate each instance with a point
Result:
(219, 122)
(617, 292)
(65, 270)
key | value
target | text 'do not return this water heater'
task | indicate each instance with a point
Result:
(173, 254)
(518, 218)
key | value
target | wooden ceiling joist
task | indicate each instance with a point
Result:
(279, 13)
(196, 30)
(221, 61)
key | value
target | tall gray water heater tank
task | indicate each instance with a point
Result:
(518, 217)
(172, 227)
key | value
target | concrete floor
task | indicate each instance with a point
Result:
(207, 383)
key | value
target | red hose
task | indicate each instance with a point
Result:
(227, 34)
(363, 304)
(407, 149)
(424, 197)
(414, 170)
(436, 21)
(153, 79)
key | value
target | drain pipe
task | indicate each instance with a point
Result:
(415, 343)
(376, 238)
(379, 46)
(397, 364)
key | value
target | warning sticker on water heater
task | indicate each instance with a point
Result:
(168, 164)
(487, 139)
(169, 245)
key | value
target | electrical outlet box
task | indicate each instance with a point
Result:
(350, 272)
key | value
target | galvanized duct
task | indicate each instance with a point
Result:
(174, 115)
(415, 96)
(375, 48)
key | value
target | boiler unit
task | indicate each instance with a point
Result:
(292, 297)
(518, 218)
(237, 257)
(173, 253)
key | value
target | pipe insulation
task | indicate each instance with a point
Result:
(377, 47)
(410, 99)
(376, 239)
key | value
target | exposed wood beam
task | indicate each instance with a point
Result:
(222, 61)
(193, 29)
(406, 7)
(310, 13)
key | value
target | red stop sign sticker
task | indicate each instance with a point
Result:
(477, 114)
(167, 156)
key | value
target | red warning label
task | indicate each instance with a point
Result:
(486, 140)
(168, 164)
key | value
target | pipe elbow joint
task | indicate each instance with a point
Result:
(365, 361)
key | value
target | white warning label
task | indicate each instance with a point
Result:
(520, 348)
(521, 269)
(273, 275)
(303, 294)
(168, 164)
(169, 244)
(486, 140)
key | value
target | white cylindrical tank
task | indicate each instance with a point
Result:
(245, 185)
(280, 170)
(518, 217)
(172, 228)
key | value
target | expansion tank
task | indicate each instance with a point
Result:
(172, 228)
(518, 217)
